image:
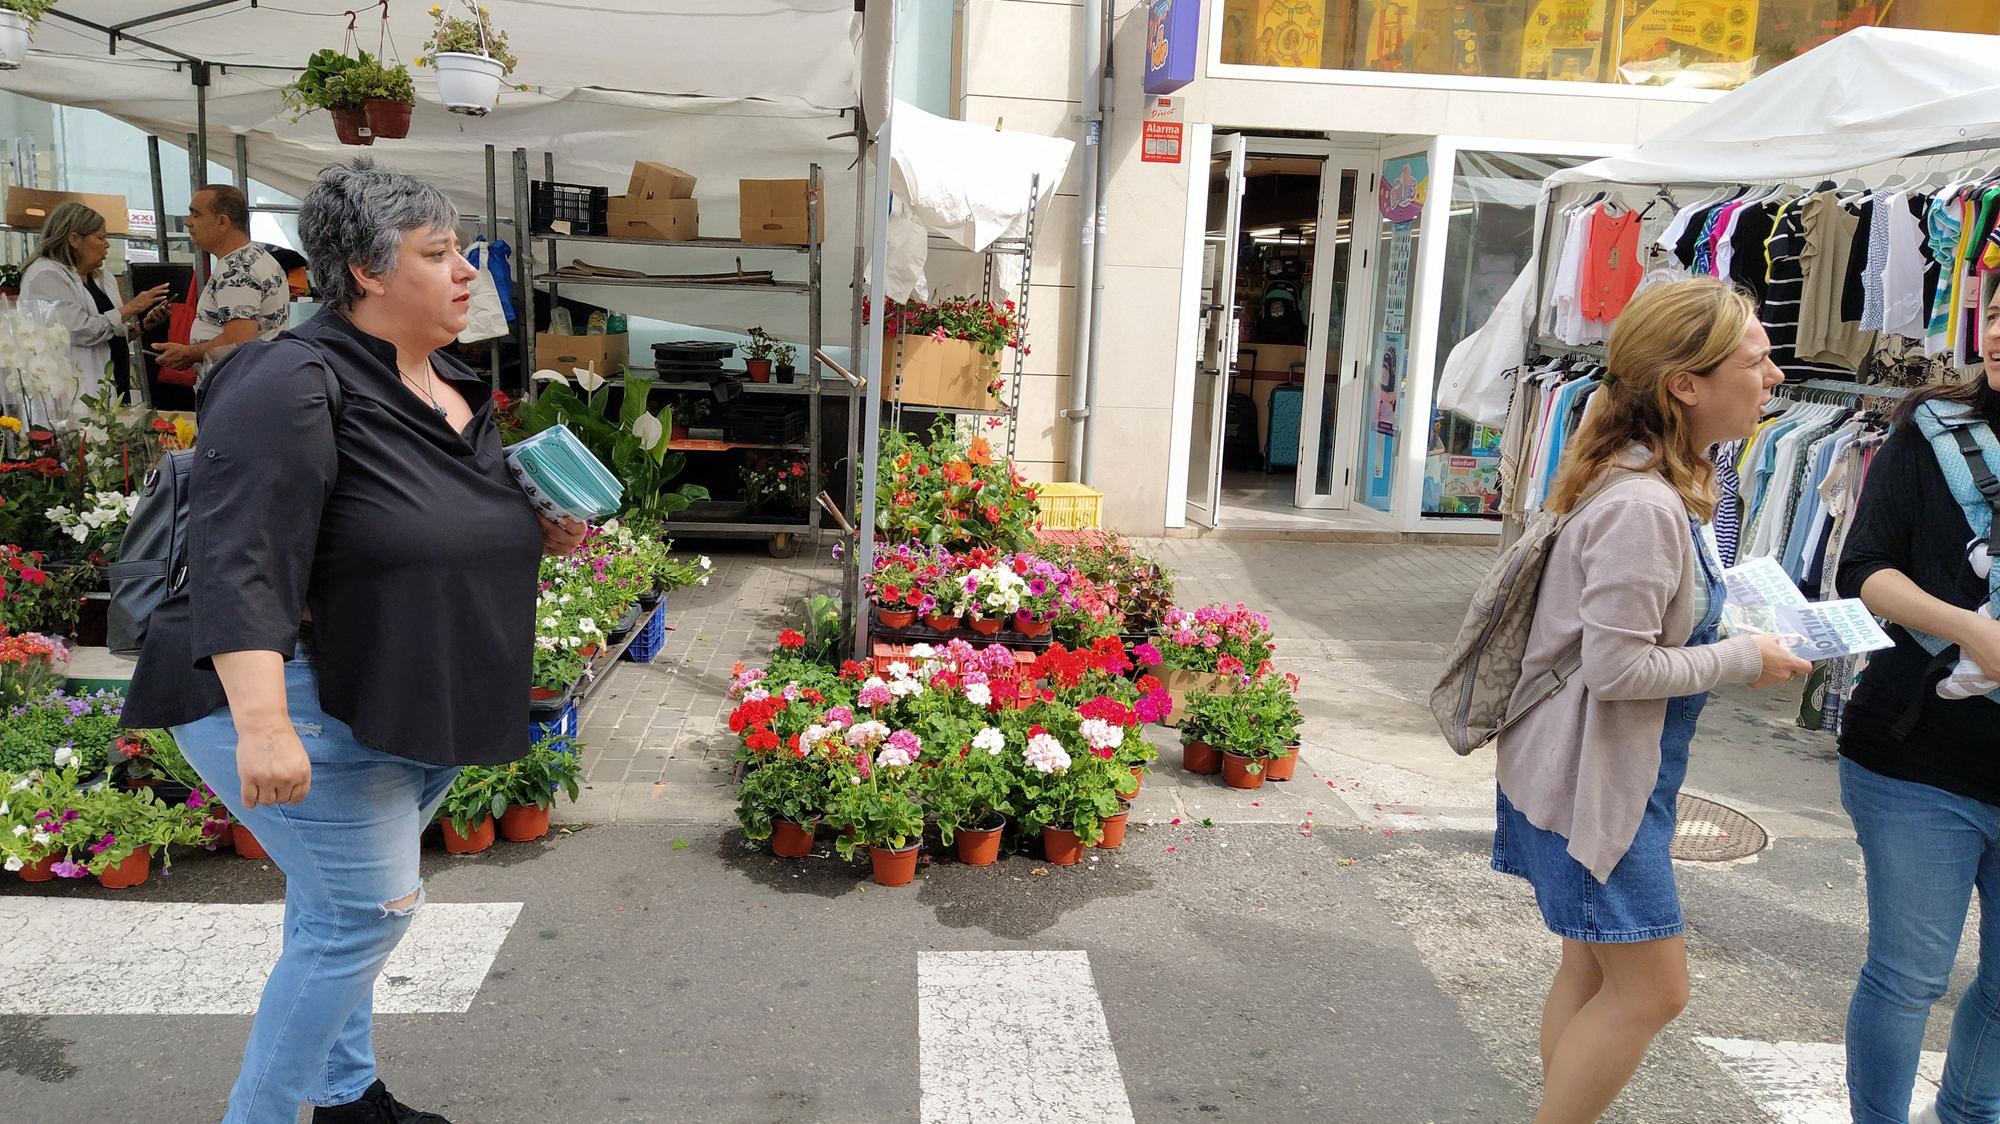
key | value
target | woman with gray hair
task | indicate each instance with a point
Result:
(64, 278)
(357, 620)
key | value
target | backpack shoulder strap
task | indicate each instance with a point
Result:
(1967, 451)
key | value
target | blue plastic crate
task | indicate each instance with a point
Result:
(650, 637)
(565, 722)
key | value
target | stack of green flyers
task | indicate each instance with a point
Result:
(562, 478)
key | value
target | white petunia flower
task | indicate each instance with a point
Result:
(990, 740)
(14, 862)
(65, 756)
(42, 839)
(20, 830)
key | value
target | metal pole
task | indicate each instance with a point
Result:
(852, 601)
(243, 163)
(815, 225)
(524, 272)
(200, 70)
(195, 179)
(160, 222)
(870, 365)
(492, 236)
(1088, 224)
(1085, 470)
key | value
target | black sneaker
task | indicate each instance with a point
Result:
(376, 1106)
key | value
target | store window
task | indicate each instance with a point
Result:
(1488, 242)
(1713, 44)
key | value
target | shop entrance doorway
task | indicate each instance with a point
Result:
(1288, 249)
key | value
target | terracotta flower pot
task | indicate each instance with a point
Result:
(134, 870)
(941, 622)
(895, 618)
(1027, 626)
(1114, 830)
(1201, 757)
(893, 866)
(1236, 771)
(589, 651)
(351, 126)
(760, 371)
(388, 120)
(1063, 848)
(1138, 782)
(981, 847)
(984, 627)
(480, 839)
(1280, 768)
(521, 823)
(544, 694)
(41, 870)
(791, 840)
(245, 843)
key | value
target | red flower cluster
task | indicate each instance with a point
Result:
(762, 740)
(854, 671)
(1064, 668)
(1108, 709)
(40, 466)
(791, 638)
(750, 715)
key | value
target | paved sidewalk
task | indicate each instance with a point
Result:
(657, 747)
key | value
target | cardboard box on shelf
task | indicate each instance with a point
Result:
(948, 373)
(653, 220)
(774, 211)
(29, 207)
(604, 354)
(657, 181)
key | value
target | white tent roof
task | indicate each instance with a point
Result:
(1870, 95)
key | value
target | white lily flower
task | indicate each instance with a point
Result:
(547, 375)
(586, 378)
(648, 430)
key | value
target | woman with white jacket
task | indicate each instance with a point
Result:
(63, 280)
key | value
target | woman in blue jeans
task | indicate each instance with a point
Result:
(1920, 777)
(356, 620)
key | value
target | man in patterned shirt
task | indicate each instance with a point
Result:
(246, 294)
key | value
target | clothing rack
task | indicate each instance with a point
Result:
(1853, 390)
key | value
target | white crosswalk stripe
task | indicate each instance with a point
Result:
(1015, 1036)
(1805, 1082)
(184, 958)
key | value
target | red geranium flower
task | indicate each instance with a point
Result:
(791, 638)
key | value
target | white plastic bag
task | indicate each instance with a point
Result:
(1478, 378)
(487, 318)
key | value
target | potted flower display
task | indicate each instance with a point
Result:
(990, 597)
(31, 666)
(387, 94)
(323, 85)
(476, 799)
(17, 22)
(877, 807)
(757, 355)
(1043, 596)
(1065, 796)
(40, 823)
(787, 792)
(896, 587)
(123, 832)
(1202, 731)
(471, 59)
(61, 731)
(969, 800)
(1249, 726)
(1214, 647)
(947, 353)
(553, 764)
(782, 359)
(775, 485)
(951, 490)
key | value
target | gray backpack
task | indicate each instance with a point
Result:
(1483, 669)
(152, 564)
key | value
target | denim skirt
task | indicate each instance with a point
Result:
(1638, 902)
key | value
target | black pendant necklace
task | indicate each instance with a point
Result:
(425, 391)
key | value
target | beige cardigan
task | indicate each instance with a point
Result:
(1620, 577)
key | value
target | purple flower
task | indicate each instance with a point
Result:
(105, 844)
(838, 552)
(1037, 586)
(68, 869)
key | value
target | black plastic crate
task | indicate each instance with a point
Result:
(765, 426)
(577, 204)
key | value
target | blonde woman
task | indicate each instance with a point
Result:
(63, 278)
(1588, 780)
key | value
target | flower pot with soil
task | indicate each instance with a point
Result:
(759, 369)
(388, 119)
(1200, 757)
(895, 618)
(941, 622)
(468, 83)
(1029, 625)
(893, 866)
(245, 843)
(41, 870)
(985, 626)
(1241, 770)
(350, 125)
(479, 838)
(133, 870)
(981, 846)
(1280, 768)
(1114, 827)
(1063, 848)
(792, 840)
(524, 823)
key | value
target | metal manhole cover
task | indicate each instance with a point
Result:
(1708, 832)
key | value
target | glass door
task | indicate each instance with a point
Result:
(1217, 355)
(1339, 329)
(1381, 424)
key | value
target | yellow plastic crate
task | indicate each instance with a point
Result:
(1070, 507)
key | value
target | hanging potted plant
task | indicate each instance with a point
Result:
(324, 85)
(470, 57)
(530, 786)
(17, 22)
(757, 355)
(387, 94)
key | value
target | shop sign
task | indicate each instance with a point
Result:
(1714, 29)
(1161, 133)
(1173, 28)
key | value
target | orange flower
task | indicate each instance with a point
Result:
(958, 472)
(979, 452)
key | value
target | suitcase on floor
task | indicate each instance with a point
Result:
(1239, 434)
(1281, 444)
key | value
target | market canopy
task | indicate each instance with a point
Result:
(1871, 95)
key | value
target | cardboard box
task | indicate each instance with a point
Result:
(657, 181)
(653, 220)
(1180, 684)
(29, 207)
(947, 373)
(774, 211)
(606, 355)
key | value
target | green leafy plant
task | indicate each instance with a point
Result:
(61, 731)
(33, 9)
(879, 810)
(115, 823)
(478, 792)
(553, 764)
(633, 444)
(40, 816)
(10, 275)
(784, 356)
(323, 85)
(467, 35)
(369, 80)
(968, 790)
(760, 346)
(951, 490)
(823, 628)
(558, 667)
(1256, 719)
(783, 787)
(1060, 782)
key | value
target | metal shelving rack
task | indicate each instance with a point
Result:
(1023, 248)
(812, 384)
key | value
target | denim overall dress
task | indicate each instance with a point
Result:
(1638, 902)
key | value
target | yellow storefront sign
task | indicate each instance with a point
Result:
(1564, 40)
(1721, 30)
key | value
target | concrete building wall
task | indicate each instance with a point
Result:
(1022, 66)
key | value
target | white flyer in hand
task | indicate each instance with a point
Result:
(1761, 584)
(1762, 599)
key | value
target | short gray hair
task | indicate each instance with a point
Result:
(357, 215)
(65, 219)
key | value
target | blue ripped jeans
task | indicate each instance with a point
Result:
(349, 852)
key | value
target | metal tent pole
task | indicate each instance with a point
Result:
(492, 237)
(870, 360)
(160, 224)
